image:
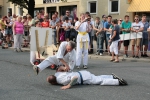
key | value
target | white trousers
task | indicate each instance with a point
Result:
(102, 80)
(49, 61)
(80, 51)
(114, 47)
(17, 40)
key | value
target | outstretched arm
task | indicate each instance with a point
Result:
(73, 82)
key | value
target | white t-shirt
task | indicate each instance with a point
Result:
(66, 25)
(82, 27)
(137, 26)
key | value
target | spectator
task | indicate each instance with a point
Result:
(114, 41)
(104, 17)
(68, 15)
(119, 23)
(45, 23)
(31, 22)
(14, 17)
(9, 16)
(53, 26)
(106, 28)
(57, 18)
(126, 27)
(145, 37)
(8, 30)
(136, 27)
(38, 23)
(3, 25)
(86, 15)
(98, 27)
(26, 31)
(18, 30)
(90, 26)
(67, 25)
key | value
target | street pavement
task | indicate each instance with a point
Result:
(19, 82)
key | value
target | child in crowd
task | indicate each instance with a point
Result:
(67, 25)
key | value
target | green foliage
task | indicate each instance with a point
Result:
(21, 3)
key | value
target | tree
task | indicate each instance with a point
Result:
(27, 4)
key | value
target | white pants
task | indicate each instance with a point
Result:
(102, 80)
(17, 40)
(80, 51)
(114, 47)
(49, 61)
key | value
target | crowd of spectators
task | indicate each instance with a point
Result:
(103, 31)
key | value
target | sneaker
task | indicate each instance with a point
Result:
(126, 56)
(85, 67)
(36, 69)
(122, 82)
(78, 67)
(20, 50)
(145, 55)
(97, 53)
(133, 56)
(15, 50)
(137, 57)
(142, 55)
(101, 54)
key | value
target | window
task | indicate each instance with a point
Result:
(9, 10)
(114, 6)
(92, 7)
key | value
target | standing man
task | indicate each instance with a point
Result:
(66, 56)
(106, 28)
(136, 27)
(126, 27)
(98, 27)
(104, 17)
(145, 37)
(53, 26)
(68, 15)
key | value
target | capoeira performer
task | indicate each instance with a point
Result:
(68, 79)
(82, 41)
(66, 56)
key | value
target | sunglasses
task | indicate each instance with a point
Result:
(67, 12)
(136, 19)
(120, 20)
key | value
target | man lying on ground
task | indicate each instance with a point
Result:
(69, 79)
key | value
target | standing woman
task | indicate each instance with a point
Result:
(114, 40)
(82, 41)
(18, 30)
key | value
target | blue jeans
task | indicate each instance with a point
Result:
(100, 42)
(107, 39)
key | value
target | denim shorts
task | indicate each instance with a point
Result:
(67, 34)
(8, 31)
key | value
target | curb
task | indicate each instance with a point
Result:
(105, 57)
(120, 58)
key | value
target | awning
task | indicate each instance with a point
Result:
(139, 6)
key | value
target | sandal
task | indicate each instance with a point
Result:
(111, 60)
(116, 61)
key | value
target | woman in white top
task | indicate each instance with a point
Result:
(82, 41)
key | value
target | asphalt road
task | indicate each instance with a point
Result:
(19, 82)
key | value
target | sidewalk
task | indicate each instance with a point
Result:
(107, 57)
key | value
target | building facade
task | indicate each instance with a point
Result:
(116, 8)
